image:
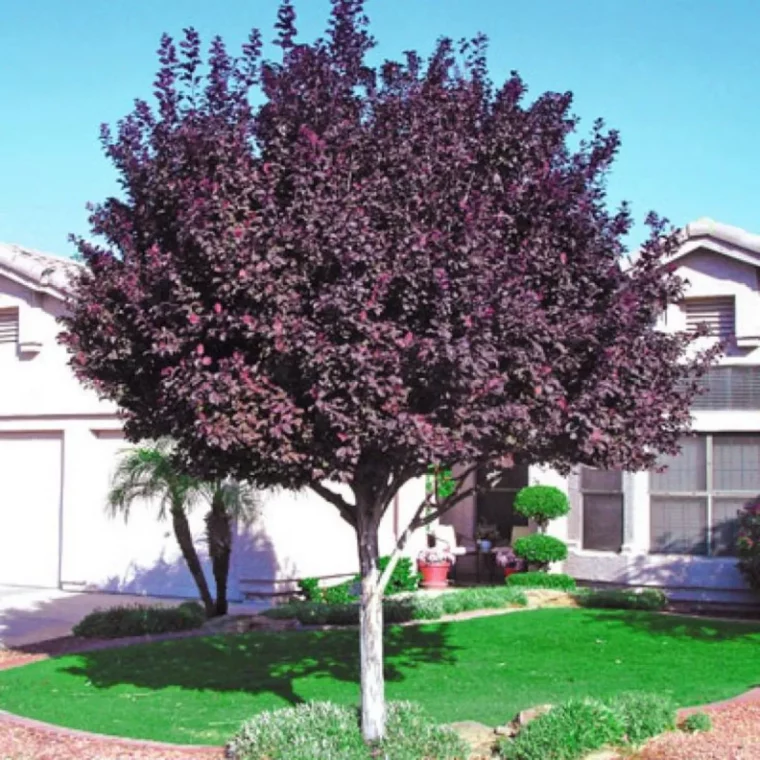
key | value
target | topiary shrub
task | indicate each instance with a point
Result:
(539, 550)
(139, 620)
(309, 589)
(566, 732)
(698, 721)
(650, 599)
(748, 544)
(541, 504)
(558, 581)
(644, 715)
(331, 732)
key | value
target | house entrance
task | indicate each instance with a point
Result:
(496, 505)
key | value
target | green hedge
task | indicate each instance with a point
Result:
(580, 726)
(325, 731)
(404, 609)
(139, 620)
(557, 581)
(651, 599)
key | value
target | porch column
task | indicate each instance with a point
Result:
(575, 516)
(635, 513)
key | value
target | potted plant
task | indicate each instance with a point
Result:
(485, 535)
(509, 561)
(434, 565)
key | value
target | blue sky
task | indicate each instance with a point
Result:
(680, 79)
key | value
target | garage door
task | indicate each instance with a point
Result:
(30, 501)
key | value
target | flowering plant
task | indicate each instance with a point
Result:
(436, 555)
(748, 544)
(506, 557)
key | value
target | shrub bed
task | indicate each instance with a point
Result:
(572, 730)
(331, 732)
(403, 580)
(558, 581)
(139, 620)
(650, 600)
(403, 609)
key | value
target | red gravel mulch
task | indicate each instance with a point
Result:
(735, 735)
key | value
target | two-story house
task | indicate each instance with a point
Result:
(675, 529)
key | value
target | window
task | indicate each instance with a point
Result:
(717, 313)
(8, 325)
(602, 496)
(730, 387)
(694, 502)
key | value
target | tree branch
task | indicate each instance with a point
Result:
(346, 510)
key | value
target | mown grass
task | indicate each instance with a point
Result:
(199, 690)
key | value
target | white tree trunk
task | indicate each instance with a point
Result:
(371, 637)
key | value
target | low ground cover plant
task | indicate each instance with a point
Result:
(649, 599)
(558, 581)
(139, 620)
(579, 726)
(698, 721)
(331, 732)
(403, 609)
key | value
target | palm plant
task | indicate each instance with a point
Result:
(231, 502)
(150, 472)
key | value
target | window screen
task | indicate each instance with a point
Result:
(730, 387)
(695, 501)
(602, 498)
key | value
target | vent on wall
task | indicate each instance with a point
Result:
(717, 313)
(8, 325)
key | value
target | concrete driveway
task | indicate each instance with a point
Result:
(31, 615)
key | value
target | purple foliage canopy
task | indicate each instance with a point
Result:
(377, 269)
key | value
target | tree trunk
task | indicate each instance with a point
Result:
(371, 635)
(219, 535)
(185, 540)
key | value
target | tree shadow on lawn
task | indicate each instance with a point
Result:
(260, 662)
(679, 626)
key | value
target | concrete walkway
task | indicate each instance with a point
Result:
(31, 615)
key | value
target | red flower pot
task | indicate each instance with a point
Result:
(509, 570)
(435, 575)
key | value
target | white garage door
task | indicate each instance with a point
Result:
(30, 507)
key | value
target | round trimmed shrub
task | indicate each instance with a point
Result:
(542, 503)
(556, 581)
(539, 550)
(748, 544)
(331, 732)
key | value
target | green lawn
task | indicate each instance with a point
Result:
(486, 669)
